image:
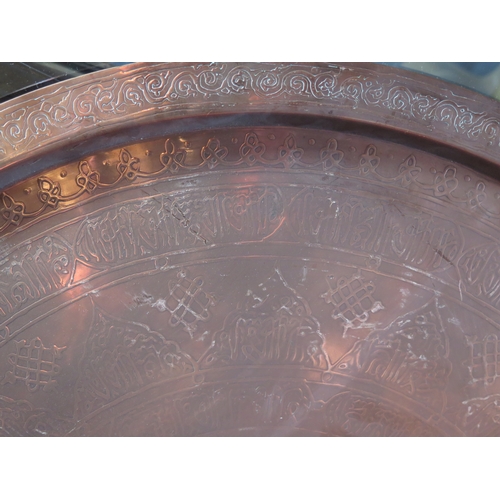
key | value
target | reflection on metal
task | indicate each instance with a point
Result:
(248, 278)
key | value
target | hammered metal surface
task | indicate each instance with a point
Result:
(251, 280)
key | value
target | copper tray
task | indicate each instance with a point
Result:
(250, 249)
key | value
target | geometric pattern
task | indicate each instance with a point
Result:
(352, 299)
(34, 364)
(187, 302)
(485, 365)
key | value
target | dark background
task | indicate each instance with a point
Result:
(18, 78)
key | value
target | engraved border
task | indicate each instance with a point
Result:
(107, 100)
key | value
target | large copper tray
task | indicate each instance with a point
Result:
(250, 249)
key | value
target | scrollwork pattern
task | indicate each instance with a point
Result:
(153, 88)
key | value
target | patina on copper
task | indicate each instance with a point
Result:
(250, 249)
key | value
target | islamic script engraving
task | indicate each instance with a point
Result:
(221, 408)
(483, 416)
(348, 414)
(31, 272)
(410, 356)
(122, 356)
(21, 418)
(273, 325)
(178, 220)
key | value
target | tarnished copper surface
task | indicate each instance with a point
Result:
(251, 274)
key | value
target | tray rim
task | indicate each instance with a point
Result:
(106, 101)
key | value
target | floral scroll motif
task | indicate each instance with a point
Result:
(331, 156)
(12, 212)
(128, 167)
(253, 152)
(147, 90)
(49, 192)
(88, 180)
(252, 149)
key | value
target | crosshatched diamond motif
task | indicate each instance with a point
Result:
(34, 364)
(234, 274)
(486, 360)
(352, 299)
(187, 302)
